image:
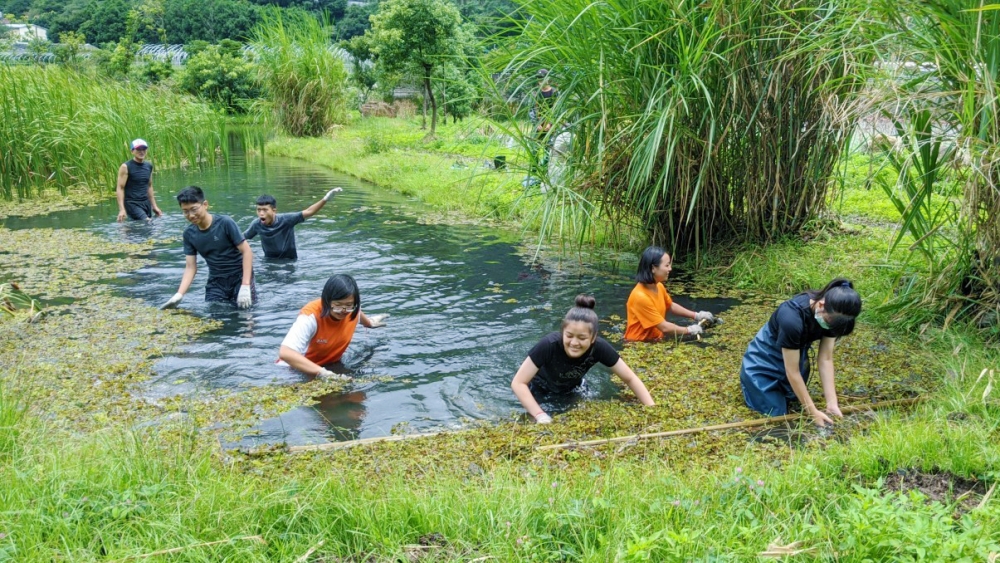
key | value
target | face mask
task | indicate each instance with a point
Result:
(821, 321)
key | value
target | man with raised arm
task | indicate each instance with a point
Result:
(135, 186)
(220, 243)
(277, 230)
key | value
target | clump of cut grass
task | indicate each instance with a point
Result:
(61, 128)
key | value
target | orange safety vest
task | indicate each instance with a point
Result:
(332, 336)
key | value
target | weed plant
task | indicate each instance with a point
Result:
(705, 121)
(61, 128)
(303, 75)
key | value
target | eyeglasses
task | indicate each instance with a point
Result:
(191, 210)
(342, 309)
(139, 149)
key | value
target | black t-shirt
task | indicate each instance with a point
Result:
(794, 324)
(557, 372)
(278, 238)
(217, 245)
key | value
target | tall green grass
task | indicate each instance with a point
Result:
(707, 121)
(949, 112)
(304, 76)
(60, 128)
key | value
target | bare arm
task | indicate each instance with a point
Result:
(629, 378)
(152, 197)
(190, 269)
(792, 358)
(298, 361)
(244, 248)
(120, 191)
(826, 372)
(519, 385)
(667, 327)
(314, 208)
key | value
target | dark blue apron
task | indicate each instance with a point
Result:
(762, 375)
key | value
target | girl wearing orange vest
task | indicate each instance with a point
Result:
(324, 328)
(649, 302)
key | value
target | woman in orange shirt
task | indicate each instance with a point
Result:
(325, 327)
(649, 302)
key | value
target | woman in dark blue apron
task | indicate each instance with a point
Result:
(775, 368)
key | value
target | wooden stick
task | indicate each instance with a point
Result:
(178, 549)
(305, 556)
(728, 426)
(360, 442)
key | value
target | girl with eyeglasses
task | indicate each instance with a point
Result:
(324, 328)
(775, 368)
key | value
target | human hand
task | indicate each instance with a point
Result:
(695, 329)
(173, 301)
(245, 298)
(820, 418)
(330, 193)
(376, 321)
(327, 374)
(704, 316)
(157, 212)
(834, 410)
(542, 418)
(121, 215)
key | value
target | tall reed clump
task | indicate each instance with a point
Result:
(704, 121)
(301, 71)
(60, 128)
(946, 106)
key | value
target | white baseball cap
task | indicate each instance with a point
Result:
(139, 144)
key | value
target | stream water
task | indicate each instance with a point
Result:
(466, 302)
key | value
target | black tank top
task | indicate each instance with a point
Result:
(137, 184)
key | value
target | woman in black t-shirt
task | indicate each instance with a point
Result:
(775, 368)
(561, 359)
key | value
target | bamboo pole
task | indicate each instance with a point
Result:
(728, 426)
(360, 442)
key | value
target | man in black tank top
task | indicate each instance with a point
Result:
(135, 186)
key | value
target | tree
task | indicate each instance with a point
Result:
(107, 21)
(68, 50)
(356, 20)
(221, 75)
(420, 34)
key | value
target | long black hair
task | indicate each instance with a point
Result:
(842, 304)
(583, 312)
(650, 257)
(339, 286)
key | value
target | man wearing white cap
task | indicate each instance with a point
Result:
(135, 186)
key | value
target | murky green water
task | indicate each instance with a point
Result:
(466, 303)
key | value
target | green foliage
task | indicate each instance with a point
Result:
(62, 128)
(68, 50)
(304, 78)
(209, 20)
(356, 20)
(416, 36)
(706, 121)
(106, 22)
(957, 96)
(222, 76)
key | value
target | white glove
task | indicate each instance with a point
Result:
(704, 316)
(172, 303)
(695, 329)
(542, 418)
(330, 193)
(327, 374)
(377, 320)
(244, 299)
